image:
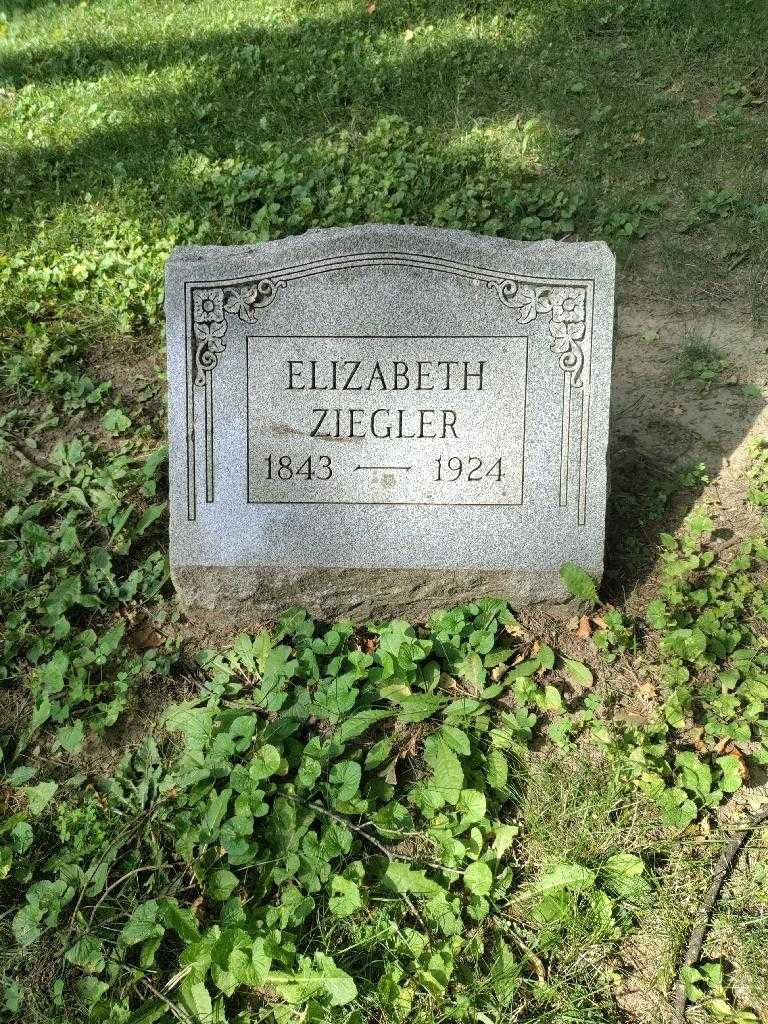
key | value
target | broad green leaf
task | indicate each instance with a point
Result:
(180, 919)
(265, 762)
(552, 699)
(221, 884)
(197, 1001)
(688, 644)
(346, 899)
(622, 874)
(731, 768)
(309, 772)
(579, 583)
(378, 754)
(403, 878)
(524, 669)
(141, 925)
(497, 769)
(346, 775)
(20, 776)
(472, 670)
(546, 657)
(39, 796)
(148, 1013)
(335, 700)
(471, 806)
(571, 876)
(456, 739)
(478, 878)
(678, 809)
(448, 775)
(149, 516)
(215, 813)
(578, 672)
(195, 723)
(71, 736)
(314, 981)
(359, 723)
(674, 710)
(25, 925)
(250, 966)
(420, 707)
(629, 865)
(504, 837)
(88, 954)
(694, 774)
(505, 976)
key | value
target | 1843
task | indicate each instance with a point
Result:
(285, 467)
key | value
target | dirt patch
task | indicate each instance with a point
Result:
(677, 441)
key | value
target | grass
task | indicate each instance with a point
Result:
(522, 826)
(700, 361)
(236, 123)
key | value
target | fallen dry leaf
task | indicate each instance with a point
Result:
(145, 638)
(696, 736)
(585, 628)
(647, 690)
(734, 751)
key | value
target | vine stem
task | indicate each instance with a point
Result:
(176, 1011)
(369, 839)
(120, 880)
(142, 819)
(723, 867)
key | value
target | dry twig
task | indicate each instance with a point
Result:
(723, 868)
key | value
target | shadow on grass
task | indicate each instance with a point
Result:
(210, 88)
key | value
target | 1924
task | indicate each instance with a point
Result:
(470, 468)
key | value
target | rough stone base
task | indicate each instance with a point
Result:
(246, 598)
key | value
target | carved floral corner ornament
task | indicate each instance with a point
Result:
(210, 324)
(567, 326)
(567, 306)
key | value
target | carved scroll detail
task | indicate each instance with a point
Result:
(567, 307)
(210, 323)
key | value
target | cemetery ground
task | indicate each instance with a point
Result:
(490, 817)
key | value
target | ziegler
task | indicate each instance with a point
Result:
(383, 423)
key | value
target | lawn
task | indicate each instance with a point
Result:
(492, 816)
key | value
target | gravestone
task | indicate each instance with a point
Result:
(377, 421)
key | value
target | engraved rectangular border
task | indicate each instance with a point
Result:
(391, 337)
(253, 292)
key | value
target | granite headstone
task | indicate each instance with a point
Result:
(378, 421)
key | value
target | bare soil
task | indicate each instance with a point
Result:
(663, 425)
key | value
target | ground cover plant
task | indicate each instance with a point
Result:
(489, 817)
(385, 823)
